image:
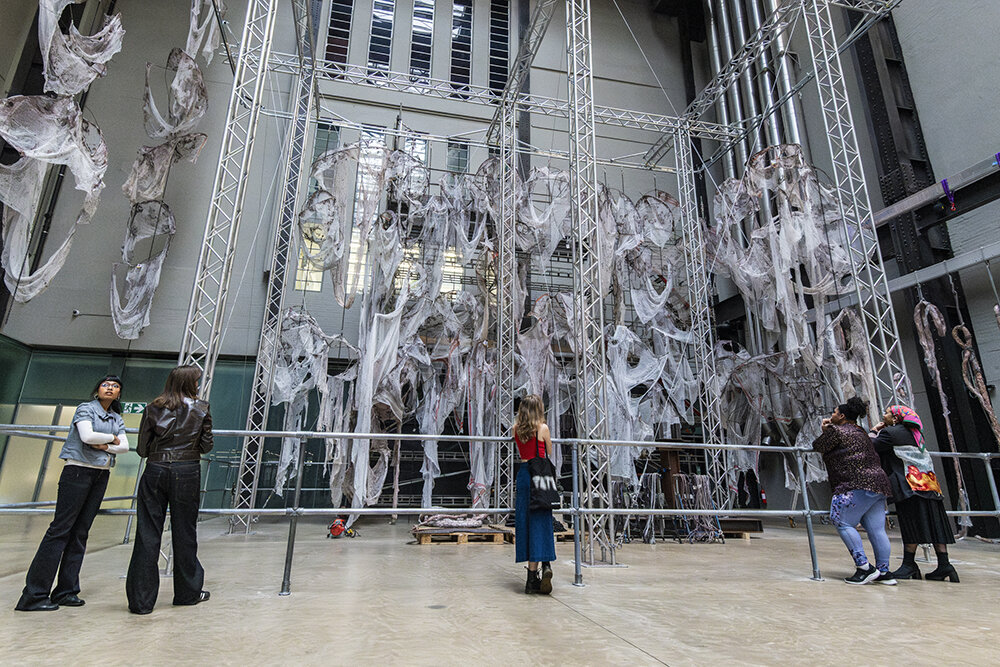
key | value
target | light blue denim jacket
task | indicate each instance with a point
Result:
(103, 421)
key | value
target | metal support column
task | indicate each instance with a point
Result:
(508, 312)
(203, 328)
(260, 397)
(891, 382)
(588, 279)
(702, 331)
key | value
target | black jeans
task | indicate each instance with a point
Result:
(81, 491)
(178, 485)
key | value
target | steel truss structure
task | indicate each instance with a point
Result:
(204, 323)
(891, 381)
(588, 283)
(260, 396)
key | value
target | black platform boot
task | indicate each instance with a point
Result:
(533, 582)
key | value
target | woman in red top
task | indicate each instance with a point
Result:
(534, 541)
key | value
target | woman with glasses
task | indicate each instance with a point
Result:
(96, 436)
(176, 429)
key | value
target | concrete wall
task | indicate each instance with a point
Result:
(952, 62)
(623, 79)
(115, 105)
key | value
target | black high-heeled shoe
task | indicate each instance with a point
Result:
(941, 573)
(907, 571)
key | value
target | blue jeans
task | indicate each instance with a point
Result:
(847, 510)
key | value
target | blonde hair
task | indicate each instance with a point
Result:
(530, 413)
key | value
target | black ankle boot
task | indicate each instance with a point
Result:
(943, 572)
(907, 571)
(545, 585)
(533, 582)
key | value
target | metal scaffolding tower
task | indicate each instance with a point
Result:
(892, 385)
(204, 324)
(588, 283)
(205, 318)
(260, 396)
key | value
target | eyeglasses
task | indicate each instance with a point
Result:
(110, 385)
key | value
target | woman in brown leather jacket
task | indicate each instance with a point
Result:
(176, 429)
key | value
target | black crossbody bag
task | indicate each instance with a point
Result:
(543, 494)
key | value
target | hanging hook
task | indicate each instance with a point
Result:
(920, 291)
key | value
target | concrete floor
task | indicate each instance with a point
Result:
(380, 599)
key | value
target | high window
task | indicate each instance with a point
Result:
(499, 44)
(458, 157)
(309, 278)
(422, 38)
(461, 44)
(419, 179)
(339, 31)
(380, 46)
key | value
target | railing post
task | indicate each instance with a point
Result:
(575, 501)
(993, 482)
(286, 580)
(135, 495)
(808, 513)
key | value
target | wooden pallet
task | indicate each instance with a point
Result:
(740, 527)
(489, 535)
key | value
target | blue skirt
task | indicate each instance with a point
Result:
(533, 538)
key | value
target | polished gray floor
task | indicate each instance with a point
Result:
(381, 599)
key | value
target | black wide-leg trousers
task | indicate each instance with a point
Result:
(176, 485)
(81, 491)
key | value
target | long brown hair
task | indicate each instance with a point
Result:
(181, 383)
(530, 413)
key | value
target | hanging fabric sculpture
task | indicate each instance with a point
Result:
(203, 30)
(424, 349)
(72, 61)
(788, 262)
(51, 130)
(150, 219)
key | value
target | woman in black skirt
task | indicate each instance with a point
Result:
(915, 491)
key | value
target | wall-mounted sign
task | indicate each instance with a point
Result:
(133, 408)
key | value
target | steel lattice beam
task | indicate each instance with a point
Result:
(245, 494)
(537, 25)
(588, 279)
(702, 330)
(480, 95)
(872, 291)
(204, 325)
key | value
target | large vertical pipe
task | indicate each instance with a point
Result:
(765, 78)
(722, 110)
(733, 93)
(791, 110)
(749, 85)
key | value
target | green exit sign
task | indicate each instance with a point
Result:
(133, 408)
